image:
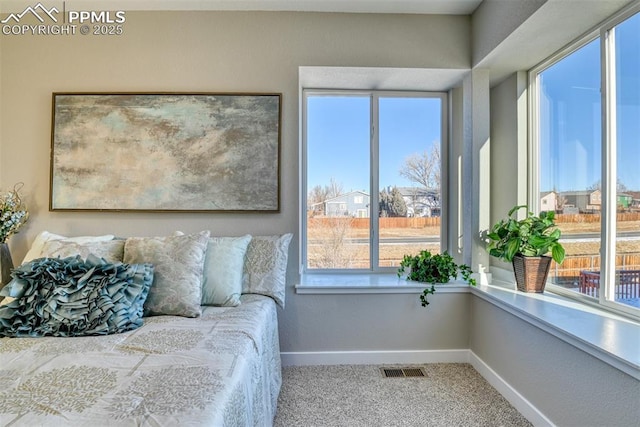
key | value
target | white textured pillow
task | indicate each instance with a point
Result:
(41, 239)
(111, 250)
(178, 266)
(265, 266)
(223, 266)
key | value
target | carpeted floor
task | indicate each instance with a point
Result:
(451, 394)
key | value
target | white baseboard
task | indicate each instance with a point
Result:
(518, 401)
(373, 357)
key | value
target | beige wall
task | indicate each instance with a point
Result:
(229, 51)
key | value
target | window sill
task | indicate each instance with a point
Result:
(609, 337)
(368, 284)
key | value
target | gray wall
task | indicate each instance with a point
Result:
(495, 20)
(229, 51)
(379, 322)
(508, 149)
(571, 387)
(504, 148)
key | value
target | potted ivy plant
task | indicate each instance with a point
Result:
(428, 268)
(525, 243)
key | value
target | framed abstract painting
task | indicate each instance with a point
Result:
(179, 152)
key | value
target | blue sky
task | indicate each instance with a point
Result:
(338, 138)
(571, 141)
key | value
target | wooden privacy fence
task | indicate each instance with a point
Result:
(401, 222)
(582, 218)
(574, 264)
(421, 222)
(568, 272)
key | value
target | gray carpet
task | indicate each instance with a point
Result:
(452, 394)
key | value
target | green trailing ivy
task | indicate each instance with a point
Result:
(428, 268)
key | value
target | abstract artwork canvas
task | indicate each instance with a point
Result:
(165, 152)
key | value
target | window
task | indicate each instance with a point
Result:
(587, 134)
(371, 175)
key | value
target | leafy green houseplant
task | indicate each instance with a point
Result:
(525, 243)
(428, 268)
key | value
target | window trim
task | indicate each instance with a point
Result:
(374, 97)
(609, 150)
(604, 32)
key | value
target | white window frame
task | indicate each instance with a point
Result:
(609, 146)
(374, 96)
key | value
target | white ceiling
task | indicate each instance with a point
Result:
(449, 7)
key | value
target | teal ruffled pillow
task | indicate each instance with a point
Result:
(74, 297)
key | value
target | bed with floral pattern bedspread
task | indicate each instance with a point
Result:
(219, 369)
(176, 330)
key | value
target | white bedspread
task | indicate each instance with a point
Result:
(222, 369)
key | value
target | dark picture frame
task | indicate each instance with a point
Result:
(177, 152)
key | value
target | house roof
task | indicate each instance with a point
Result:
(578, 193)
(343, 195)
(416, 191)
(634, 194)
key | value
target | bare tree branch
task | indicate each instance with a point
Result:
(423, 169)
(318, 194)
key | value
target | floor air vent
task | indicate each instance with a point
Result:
(402, 372)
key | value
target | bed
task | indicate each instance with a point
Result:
(218, 366)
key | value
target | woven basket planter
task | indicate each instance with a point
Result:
(531, 272)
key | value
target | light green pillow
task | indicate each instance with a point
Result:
(223, 266)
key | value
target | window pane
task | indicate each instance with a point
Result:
(409, 164)
(570, 163)
(627, 54)
(338, 178)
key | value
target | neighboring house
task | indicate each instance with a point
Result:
(586, 201)
(635, 199)
(315, 209)
(595, 201)
(548, 201)
(353, 204)
(420, 201)
(624, 200)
